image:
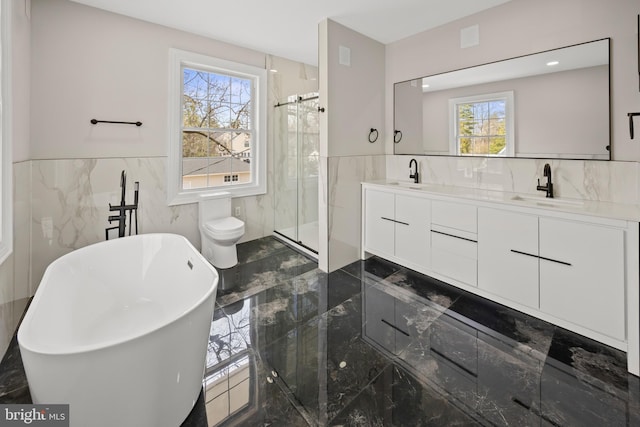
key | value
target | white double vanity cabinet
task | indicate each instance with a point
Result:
(574, 264)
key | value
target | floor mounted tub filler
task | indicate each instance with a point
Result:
(119, 331)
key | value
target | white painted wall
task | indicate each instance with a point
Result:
(21, 74)
(521, 27)
(353, 95)
(88, 63)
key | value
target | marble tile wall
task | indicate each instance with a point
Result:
(70, 199)
(612, 181)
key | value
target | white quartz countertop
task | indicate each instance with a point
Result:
(616, 211)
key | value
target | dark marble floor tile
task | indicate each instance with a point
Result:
(374, 267)
(198, 415)
(256, 276)
(278, 310)
(503, 322)
(569, 400)
(13, 380)
(341, 287)
(257, 249)
(395, 398)
(258, 400)
(427, 287)
(324, 362)
(588, 360)
(230, 332)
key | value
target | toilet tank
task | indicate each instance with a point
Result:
(214, 206)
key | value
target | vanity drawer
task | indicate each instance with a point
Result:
(455, 215)
(454, 257)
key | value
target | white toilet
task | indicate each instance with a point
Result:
(219, 230)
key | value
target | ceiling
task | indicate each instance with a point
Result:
(289, 28)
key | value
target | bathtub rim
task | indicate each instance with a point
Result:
(25, 342)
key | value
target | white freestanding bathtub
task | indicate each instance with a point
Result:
(119, 331)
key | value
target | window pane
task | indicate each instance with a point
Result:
(194, 172)
(497, 145)
(195, 83)
(220, 144)
(240, 116)
(220, 116)
(241, 144)
(240, 90)
(194, 144)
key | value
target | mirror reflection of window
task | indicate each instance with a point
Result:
(482, 125)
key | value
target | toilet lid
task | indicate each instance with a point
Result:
(224, 225)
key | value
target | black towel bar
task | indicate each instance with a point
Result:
(95, 122)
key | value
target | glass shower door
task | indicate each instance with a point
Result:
(296, 170)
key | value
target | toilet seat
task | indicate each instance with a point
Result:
(224, 228)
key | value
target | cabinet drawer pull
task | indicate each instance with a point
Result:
(393, 220)
(395, 327)
(454, 236)
(524, 253)
(541, 257)
(556, 261)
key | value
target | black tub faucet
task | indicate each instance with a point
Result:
(415, 175)
(123, 208)
(549, 187)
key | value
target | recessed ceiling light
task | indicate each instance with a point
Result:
(273, 70)
(552, 63)
(425, 86)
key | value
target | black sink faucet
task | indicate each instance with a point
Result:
(415, 175)
(549, 187)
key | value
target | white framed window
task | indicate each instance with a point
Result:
(482, 125)
(217, 127)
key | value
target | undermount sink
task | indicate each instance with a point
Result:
(544, 201)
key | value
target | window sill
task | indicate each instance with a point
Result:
(193, 196)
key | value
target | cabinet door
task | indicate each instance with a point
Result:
(413, 219)
(582, 275)
(507, 255)
(379, 224)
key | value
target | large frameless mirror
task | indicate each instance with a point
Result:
(552, 104)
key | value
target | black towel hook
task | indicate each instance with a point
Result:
(373, 135)
(397, 136)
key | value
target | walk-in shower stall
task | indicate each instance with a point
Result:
(296, 157)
